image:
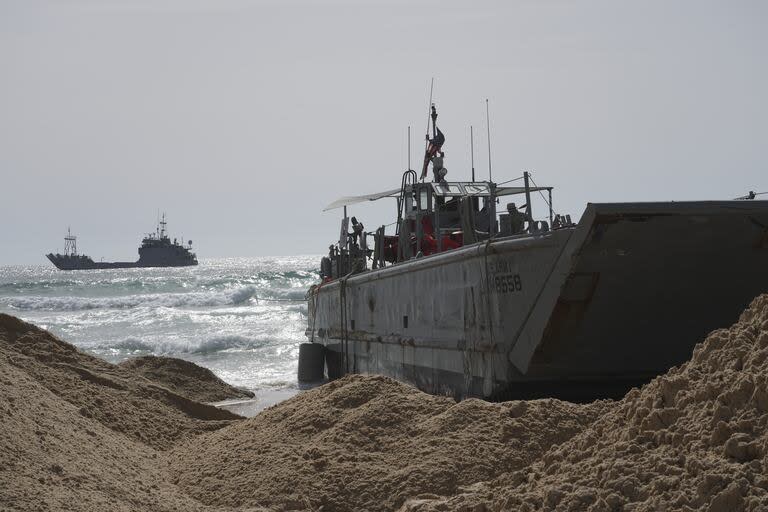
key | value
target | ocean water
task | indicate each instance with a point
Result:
(241, 317)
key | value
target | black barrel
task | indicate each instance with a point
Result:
(311, 362)
(334, 361)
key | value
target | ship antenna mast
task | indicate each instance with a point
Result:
(409, 148)
(70, 243)
(472, 150)
(488, 127)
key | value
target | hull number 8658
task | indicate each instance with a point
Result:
(508, 283)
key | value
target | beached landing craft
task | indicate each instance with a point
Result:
(465, 301)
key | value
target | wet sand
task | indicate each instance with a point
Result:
(263, 398)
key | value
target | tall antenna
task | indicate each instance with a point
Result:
(429, 107)
(472, 150)
(70, 243)
(488, 127)
(409, 148)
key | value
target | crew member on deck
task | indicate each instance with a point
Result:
(357, 231)
(434, 147)
(437, 167)
(517, 219)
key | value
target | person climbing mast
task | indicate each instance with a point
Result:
(433, 149)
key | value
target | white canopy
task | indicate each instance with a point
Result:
(511, 191)
(348, 200)
(500, 191)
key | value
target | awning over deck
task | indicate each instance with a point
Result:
(348, 200)
(444, 188)
(511, 191)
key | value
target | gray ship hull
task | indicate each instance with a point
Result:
(64, 262)
(576, 313)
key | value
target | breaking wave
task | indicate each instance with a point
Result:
(131, 345)
(208, 346)
(151, 283)
(227, 343)
(235, 297)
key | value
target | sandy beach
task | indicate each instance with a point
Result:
(79, 433)
(383, 256)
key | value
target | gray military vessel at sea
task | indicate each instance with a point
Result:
(156, 250)
(466, 300)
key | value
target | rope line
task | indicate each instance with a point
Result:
(509, 181)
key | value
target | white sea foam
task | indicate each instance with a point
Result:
(180, 347)
(171, 300)
(132, 345)
(222, 343)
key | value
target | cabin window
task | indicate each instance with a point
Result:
(476, 189)
(447, 189)
(423, 200)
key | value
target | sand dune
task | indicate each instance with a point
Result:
(369, 443)
(117, 397)
(695, 438)
(184, 378)
(54, 458)
(81, 434)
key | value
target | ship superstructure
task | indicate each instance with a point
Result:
(470, 298)
(157, 249)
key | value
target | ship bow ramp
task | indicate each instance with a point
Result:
(638, 285)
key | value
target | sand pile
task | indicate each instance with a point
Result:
(54, 458)
(695, 438)
(368, 443)
(83, 434)
(77, 433)
(116, 397)
(184, 378)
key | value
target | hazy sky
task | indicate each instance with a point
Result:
(243, 119)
